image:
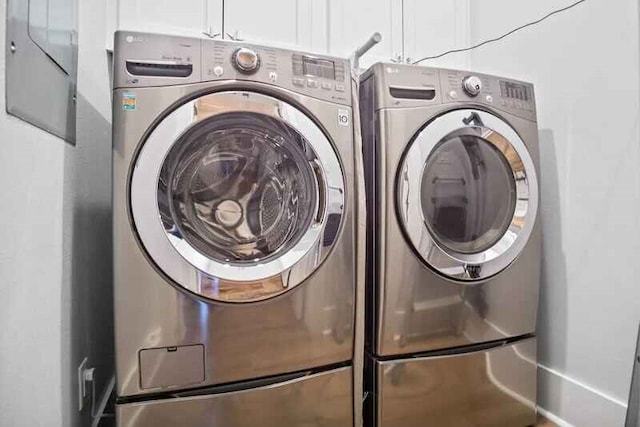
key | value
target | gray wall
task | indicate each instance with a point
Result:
(584, 64)
(55, 263)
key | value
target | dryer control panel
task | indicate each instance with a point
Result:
(152, 60)
(401, 85)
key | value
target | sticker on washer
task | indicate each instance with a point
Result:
(128, 101)
(343, 117)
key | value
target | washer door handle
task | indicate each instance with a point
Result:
(322, 191)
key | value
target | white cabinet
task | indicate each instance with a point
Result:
(410, 28)
(284, 23)
(184, 17)
(352, 22)
(432, 27)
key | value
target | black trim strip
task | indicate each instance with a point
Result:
(153, 69)
(232, 386)
(411, 93)
(458, 350)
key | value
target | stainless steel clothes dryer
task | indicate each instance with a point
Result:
(233, 234)
(453, 246)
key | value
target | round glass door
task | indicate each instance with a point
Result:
(239, 188)
(237, 196)
(467, 194)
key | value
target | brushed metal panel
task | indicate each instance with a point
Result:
(490, 388)
(428, 311)
(411, 308)
(39, 90)
(171, 366)
(323, 399)
(310, 326)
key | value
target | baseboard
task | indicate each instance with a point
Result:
(569, 402)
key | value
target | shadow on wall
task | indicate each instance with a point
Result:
(87, 293)
(553, 305)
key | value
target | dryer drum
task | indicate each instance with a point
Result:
(467, 194)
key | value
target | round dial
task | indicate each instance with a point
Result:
(246, 60)
(472, 85)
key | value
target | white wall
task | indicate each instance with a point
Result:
(55, 263)
(584, 64)
(31, 224)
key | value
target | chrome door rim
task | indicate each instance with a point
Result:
(186, 265)
(456, 265)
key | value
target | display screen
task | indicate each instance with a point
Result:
(315, 67)
(514, 91)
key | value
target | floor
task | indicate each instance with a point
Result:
(543, 422)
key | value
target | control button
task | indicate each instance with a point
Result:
(339, 87)
(273, 76)
(298, 81)
(326, 85)
(218, 71)
(453, 94)
(489, 98)
(312, 83)
(472, 85)
(246, 60)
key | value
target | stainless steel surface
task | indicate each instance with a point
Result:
(472, 85)
(361, 234)
(170, 366)
(53, 27)
(212, 60)
(309, 326)
(413, 308)
(633, 407)
(489, 388)
(446, 82)
(215, 277)
(38, 89)
(318, 400)
(478, 263)
(246, 60)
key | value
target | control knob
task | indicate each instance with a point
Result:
(246, 60)
(472, 85)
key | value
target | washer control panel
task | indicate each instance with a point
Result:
(152, 60)
(319, 76)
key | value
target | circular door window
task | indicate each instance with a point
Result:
(239, 188)
(237, 196)
(467, 194)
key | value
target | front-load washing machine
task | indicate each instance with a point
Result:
(453, 247)
(233, 234)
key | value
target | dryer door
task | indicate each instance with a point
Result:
(467, 194)
(237, 196)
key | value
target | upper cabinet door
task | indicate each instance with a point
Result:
(435, 26)
(186, 17)
(283, 23)
(352, 22)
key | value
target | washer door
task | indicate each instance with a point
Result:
(237, 196)
(467, 194)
